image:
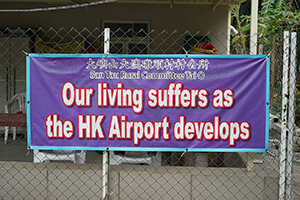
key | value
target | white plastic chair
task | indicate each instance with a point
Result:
(61, 155)
(16, 104)
(135, 157)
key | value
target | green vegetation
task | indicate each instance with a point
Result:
(273, 19)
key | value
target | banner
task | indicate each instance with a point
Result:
(148, 102)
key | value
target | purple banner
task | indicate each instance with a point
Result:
(163, 102)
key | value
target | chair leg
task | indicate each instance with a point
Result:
(36, 156)
(80, 157)
(114, 159)
(14, 132)
(156, 160)
(6, 134)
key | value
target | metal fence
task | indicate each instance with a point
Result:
(180, 175)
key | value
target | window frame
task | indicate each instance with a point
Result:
(125, 41)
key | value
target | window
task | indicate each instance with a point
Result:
(128, 37)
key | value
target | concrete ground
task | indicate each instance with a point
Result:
(21, 178)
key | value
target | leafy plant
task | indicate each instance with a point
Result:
(274, 17)
(242, 25)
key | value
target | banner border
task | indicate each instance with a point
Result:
(47, 55)
(147, 148)
(28, 101)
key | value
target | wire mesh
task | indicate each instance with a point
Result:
(28, 174)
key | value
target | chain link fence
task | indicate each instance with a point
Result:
(180, 175)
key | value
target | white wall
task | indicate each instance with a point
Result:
(181, 17)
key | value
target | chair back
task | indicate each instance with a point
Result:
(20, 98)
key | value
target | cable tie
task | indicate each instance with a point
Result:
(183, 153)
